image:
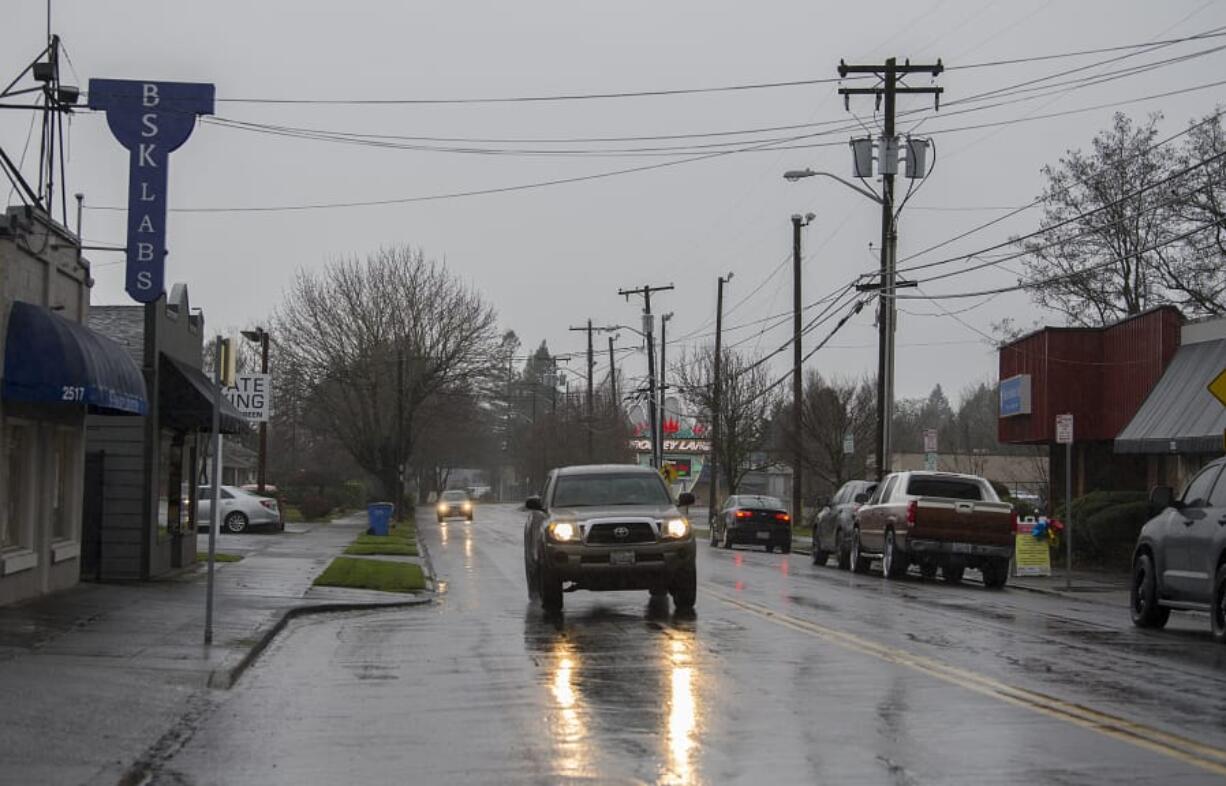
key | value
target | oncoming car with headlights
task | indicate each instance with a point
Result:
(454, 504)
(608, 527)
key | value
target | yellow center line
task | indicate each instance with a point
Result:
(1189, 751)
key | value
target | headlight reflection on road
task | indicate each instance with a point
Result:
(569, 728)
(682, 714)
(442, 532)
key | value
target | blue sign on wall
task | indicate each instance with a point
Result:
(151, 120)
(1015, 396)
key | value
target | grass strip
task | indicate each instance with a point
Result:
(372, 575)
(220, 556)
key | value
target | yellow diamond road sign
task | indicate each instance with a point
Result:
(1218, 387)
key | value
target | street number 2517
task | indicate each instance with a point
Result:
(72, 393)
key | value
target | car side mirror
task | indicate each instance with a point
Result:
(685, 499)
(861, 498)
(534, 503)
(1161, 498)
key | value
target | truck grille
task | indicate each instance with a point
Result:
(637, 532)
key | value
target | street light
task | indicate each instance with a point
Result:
(886, 322)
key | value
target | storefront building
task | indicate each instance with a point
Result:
(1136, 390)
(56, 373)
(143, 472)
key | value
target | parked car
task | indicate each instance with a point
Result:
(935, 520)
(833, 526)
(754, 520)
(454, 503)
(240, 510)
(1180, 558)
(608, 527)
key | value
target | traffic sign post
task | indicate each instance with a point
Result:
(1064, 436)
(930, 449)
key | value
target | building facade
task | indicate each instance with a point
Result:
(56, 370)
(145, 470)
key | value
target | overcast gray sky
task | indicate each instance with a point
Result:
(551, 257)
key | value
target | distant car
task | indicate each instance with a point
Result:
(454, 504)
(833, 527)
(609, 527)
(1180, 558)
(755, 520)
(240, 510)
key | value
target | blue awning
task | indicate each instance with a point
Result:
(49, 359)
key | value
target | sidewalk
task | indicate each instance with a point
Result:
(96, 675)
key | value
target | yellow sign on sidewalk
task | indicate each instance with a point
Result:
(1032, 557)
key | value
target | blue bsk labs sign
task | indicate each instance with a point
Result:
(151, 120)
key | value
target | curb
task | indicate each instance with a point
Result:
(431, 576)
(224, 678)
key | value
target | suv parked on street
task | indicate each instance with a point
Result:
(834, 524)
(1180, 558)
(608, 527)
(935, 520)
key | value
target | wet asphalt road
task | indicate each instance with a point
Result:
(788, 673)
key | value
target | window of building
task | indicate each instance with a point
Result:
(18, 445)
(66, 457)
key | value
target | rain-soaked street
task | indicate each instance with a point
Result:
(787, 673)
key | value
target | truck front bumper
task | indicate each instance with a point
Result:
(601, 567)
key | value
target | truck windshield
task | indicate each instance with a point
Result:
(950, 488)
(575, 491)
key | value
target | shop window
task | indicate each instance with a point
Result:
(171, 510)
(66, 470)
(18, 453)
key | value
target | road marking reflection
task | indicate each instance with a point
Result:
(1182, 749)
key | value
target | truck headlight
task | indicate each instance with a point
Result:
(676, 528)
(563, 531)
(442, 507)
(467, 506)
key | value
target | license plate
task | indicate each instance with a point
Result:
(764, 536)
(621, 558)
(962, 548)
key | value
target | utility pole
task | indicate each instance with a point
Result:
(648, 323)
(716, 399)
(799, 222)
(399, 451)
(663, 372)
(616, 396)
(591, 362)
(889, 72)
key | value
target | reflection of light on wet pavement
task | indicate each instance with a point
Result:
(783, 566)
(738, 560)
(740, 585)
(468, 549)
(682, 715)
(442, 532)
(569, 728)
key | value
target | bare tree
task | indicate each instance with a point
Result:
(1125, 226)
(746, 403)
(830, 412)
(357, 328)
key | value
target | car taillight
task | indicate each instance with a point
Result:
(911, 510)
(270, 504)
(743, 514)
(782, 517)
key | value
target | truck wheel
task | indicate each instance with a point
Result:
(951, 574)
(995, 573)
(1143, 603)
(1218, 613)
(859, 563)
(684, 588)
(893, 564)
(550, 589)
(534, 585)
(786, 548)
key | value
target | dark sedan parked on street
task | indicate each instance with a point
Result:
(752, 519)
(832, 530)
(1180, 558)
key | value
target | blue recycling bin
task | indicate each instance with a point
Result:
(379, 516)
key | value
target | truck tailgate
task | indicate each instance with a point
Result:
(963, 521)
